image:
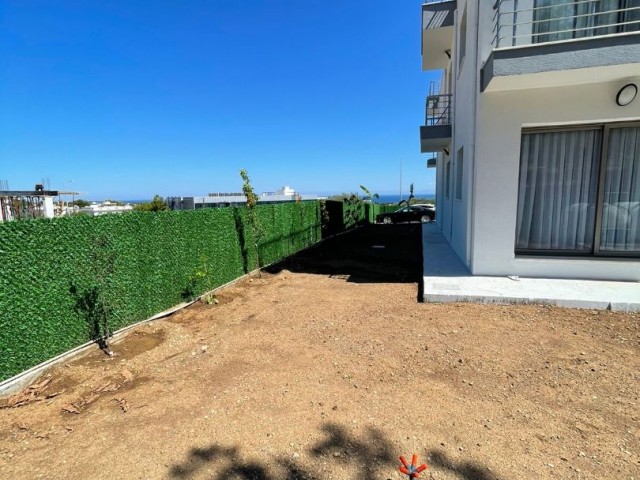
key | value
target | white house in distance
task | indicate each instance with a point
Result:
(104, 208)
(215, 200)
(536, 129)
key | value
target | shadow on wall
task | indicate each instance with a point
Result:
(367, 457)
(242, 239)
(91, 306)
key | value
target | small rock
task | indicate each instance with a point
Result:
(335, 407)
(336, 454)
(204, 348)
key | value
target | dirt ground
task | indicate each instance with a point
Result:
(328, 368)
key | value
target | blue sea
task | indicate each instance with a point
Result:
(396, 198)
(382, 199)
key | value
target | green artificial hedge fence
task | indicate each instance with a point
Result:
(57, 276)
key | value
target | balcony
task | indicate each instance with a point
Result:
(437, 33)
(542, 43)
(436, 133)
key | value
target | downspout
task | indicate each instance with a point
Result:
(472, 215)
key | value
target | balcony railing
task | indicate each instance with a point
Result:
(527, 22)
(439, 110)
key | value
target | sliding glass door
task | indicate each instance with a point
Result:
(579, 191)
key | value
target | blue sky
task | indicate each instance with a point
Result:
(132, 98)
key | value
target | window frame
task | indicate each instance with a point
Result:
(459, 175)
(447, 173)
(595, 252)
(462, 40)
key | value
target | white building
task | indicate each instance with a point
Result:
(536, 125)
(27, 204)
(215, 200)
(104, 208)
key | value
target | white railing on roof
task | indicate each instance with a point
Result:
(526, 22)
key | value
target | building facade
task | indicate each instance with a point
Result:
(535, 126)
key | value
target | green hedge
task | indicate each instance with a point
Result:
(140, 263)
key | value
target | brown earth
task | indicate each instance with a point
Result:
(333, 371)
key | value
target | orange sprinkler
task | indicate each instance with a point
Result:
(412, 470)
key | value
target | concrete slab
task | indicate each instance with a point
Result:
(446, 279)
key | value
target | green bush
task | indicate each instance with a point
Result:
(59, 277)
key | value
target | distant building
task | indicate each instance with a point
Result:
(215, 200)
(104, 208)
(27, 204)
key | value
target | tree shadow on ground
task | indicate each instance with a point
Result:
(368, 456)
(370, 254)
(464, 470)
(232, 466)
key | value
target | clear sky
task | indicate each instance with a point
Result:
(129, 98)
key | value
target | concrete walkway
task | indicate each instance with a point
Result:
(446, 279)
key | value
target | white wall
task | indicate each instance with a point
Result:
(502, 115)
(457, 213)
(49, 211)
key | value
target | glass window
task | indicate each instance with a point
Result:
(447, 186)
(463, 39)
(620, 229)
(560, 207)
(558, 190)
(459, 172)
(567, 19)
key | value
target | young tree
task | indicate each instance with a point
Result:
(372, 198)
(408, 200)
(254, 222)
(80, 203)
(156, 205)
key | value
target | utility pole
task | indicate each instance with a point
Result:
(400, 181)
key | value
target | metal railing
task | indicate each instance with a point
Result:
(527, 22)
(427, 2)
(439, 110)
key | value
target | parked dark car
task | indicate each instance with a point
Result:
(413, 213)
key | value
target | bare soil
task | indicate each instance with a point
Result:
(328, 368)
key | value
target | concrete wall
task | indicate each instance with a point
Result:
(456, 227)
(501, 117)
